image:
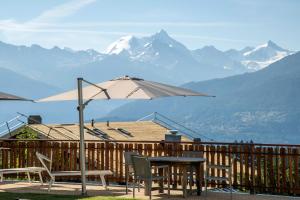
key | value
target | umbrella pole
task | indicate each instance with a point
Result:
(81, 130)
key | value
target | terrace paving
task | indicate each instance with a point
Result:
(119, 191)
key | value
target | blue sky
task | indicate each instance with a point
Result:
(84, 24)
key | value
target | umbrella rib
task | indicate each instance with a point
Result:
(91, 98)
(102, 89)
(132, 92)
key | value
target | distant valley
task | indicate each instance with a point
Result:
(262, 106)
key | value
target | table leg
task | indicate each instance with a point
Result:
(147, 185)
(184, 181)
(161, 182)
(198, 179)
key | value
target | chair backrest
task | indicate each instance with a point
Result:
(42, 158)
(128, 156)
(141, 167)
(193, 154)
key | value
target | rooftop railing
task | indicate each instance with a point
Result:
(172, 124)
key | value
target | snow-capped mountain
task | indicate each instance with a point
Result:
(162, 50)
(256, 58)
(122, 44)
(264, 52)
(264, 55)
(163, 55)
(159, 49)
(137, 47)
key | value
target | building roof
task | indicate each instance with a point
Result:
(143, 130)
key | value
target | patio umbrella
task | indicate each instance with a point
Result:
(120, 88)
(5, 96)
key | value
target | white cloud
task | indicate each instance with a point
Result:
(37, 24)
(48, 30)
(28, 32)
(61, 11)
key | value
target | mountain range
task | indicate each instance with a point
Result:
(35, 72)
(157, 57)
(262, 106)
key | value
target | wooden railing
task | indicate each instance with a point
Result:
(258, 168)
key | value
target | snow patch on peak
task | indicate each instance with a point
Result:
(255, 49)
(147, 44)
(147, 49)
(269, 45)
(118, 46)
(263, 55)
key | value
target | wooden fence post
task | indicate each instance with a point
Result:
(296, 171)
(235, 173)
(121, 153)
(241, 153)
(212, 161)
(283, 171)
(252, 168)
(257, 183)
(218, 158)
(277, 170)
(247, 181)
(271, 184)
(106, 148)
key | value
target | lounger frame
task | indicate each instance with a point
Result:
(53, 174)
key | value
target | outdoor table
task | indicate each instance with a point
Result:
(185, 163)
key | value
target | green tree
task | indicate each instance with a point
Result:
(27, 133)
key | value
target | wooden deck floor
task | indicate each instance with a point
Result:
(119, 191)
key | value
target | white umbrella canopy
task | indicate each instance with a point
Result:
(120, 88)
(10, 97)
(124, 88)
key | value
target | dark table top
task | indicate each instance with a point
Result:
(173, 159)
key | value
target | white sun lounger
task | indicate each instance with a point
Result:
(53, 174)
(27, 170)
